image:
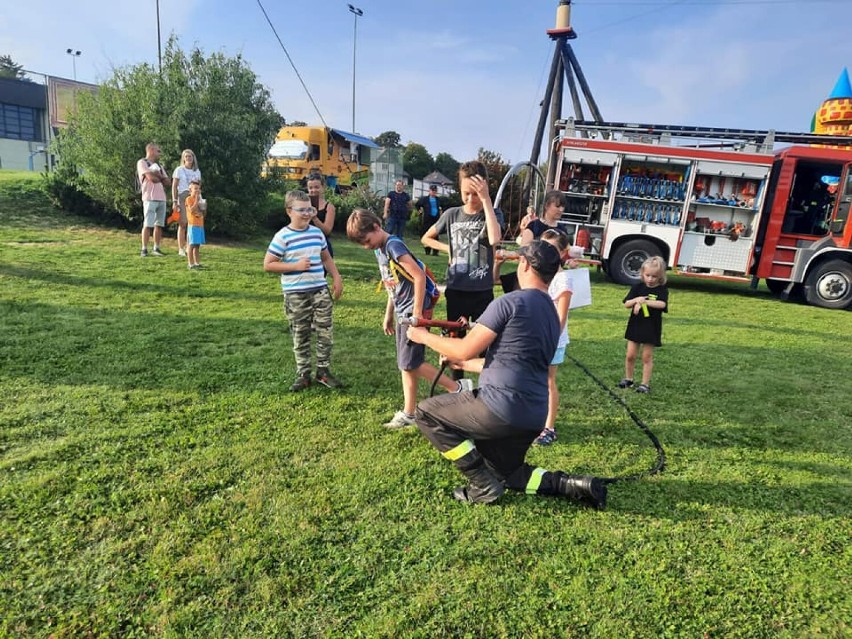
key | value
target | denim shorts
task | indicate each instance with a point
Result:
(155, 213)
(409, 355)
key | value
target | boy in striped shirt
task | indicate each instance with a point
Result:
(299, 252)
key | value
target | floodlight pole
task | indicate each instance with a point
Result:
(357, 13)
(159, 41)
(74, 55)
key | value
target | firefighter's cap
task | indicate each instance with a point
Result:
(543, 257)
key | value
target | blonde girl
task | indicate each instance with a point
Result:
(647, 301)
(183, 175)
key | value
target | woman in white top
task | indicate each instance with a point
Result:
(185, 173)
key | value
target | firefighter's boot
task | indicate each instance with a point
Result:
(587, 490)
(484, 487)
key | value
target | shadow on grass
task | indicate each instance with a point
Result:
(701, 323)
(131, 286)
(131, 350)
(679, 499)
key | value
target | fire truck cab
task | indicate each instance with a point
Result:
(739, 212)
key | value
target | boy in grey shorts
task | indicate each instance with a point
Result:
(406, 282)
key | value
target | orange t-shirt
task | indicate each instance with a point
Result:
(194, 216)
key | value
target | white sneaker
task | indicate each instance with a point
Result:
(400, 420)
(465, 384)
(182, 253)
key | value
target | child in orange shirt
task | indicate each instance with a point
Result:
(196, 207)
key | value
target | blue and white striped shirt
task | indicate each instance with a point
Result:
(290, 245)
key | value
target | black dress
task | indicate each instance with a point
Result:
(538, 227)
(321, 213)
(647, 329)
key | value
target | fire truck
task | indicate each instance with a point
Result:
(714, 203)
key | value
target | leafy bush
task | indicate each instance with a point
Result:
(361, 197)
(212, 105)
(62, 187)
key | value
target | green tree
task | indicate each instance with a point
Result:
(447, 164)
(388, 140)
(10, 69)
(296, 123)
(213, 105)
(497, 168)
(417, 160)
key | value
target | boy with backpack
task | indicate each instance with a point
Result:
(412, 292)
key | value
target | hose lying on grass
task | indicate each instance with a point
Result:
(659, 463)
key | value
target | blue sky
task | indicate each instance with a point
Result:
(455, 75)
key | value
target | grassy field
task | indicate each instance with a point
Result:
(158, 480)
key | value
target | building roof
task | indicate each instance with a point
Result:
(23, 93)
(436, 177)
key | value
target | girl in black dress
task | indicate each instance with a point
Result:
(648, 300)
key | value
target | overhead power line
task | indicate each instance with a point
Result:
(292, 64)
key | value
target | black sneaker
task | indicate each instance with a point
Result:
(643, 388)
(328, 380)
(302, 382)
(625, 383)
(157, 252)
(143, 253)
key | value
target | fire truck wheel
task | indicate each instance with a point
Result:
(626, 261)
(830, 285)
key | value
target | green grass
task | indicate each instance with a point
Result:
(157, 479)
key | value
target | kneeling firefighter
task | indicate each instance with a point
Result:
(488, 431)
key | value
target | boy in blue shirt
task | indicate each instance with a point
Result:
(430, 210)
(406, 282)
(299, 252)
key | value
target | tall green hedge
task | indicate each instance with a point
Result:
(212, 104)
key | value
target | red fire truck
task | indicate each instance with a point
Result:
(714, 203)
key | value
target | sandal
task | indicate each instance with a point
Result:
(547, 437)
(643, 388)
(625, 383)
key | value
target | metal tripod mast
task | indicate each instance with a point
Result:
(565, 64)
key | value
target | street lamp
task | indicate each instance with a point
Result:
(159, 42)
(356, 12)
(74, 55)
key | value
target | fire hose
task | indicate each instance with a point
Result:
(448, 328)
(659, 463)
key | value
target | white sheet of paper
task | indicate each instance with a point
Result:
(582, 287)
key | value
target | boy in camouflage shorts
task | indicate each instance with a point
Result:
(299, 252)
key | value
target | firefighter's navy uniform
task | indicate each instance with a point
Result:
(487, 432)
